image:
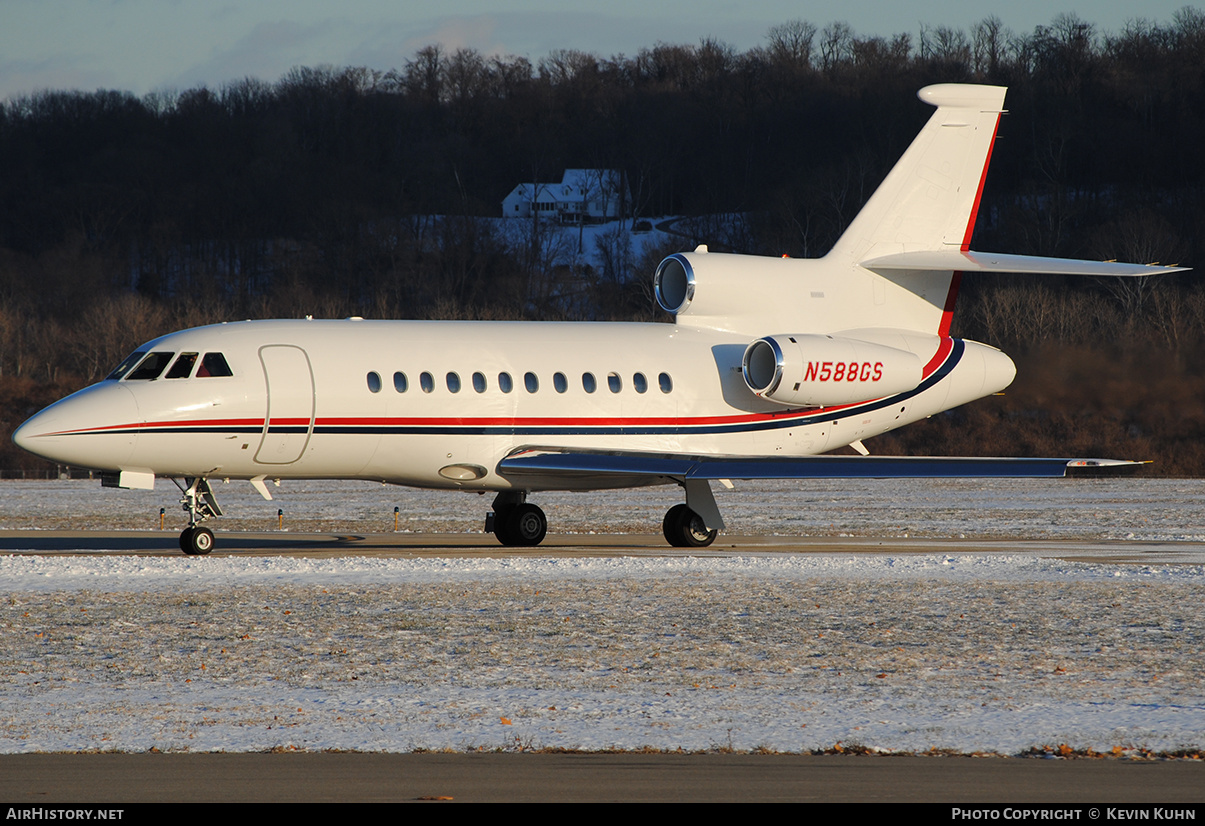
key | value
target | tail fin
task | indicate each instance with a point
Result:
(898, 265)
(929, 199)
(927, 202)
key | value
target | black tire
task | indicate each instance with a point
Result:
(196, 541)
(526, 526)
(683, 528)
(670, 527)
(501, 524)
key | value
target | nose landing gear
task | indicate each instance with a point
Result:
(200, 503)
(196, 541)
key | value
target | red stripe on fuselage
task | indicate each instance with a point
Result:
(947, 312)
(943, 352)
(939, 358)
(118, 428)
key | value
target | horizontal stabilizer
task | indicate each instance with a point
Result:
(576, 464)
(952, 260)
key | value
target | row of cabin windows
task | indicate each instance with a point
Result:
(531, 382)
(150, 366)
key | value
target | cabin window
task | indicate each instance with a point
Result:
(453, 382)
(123, 368)
(640, 383)
(214, 365)
(427, 382)
(151, 367)
(614, 382)
(479, 382)
(588, 382)
(667, 384)
(400, 383)
(182, 369)
(560, 382)
(531, 382)
(505, 384)
(374, 382)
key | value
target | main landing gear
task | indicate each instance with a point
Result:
(518, 523)
(683, 528)
(200, 503)
(515, 521)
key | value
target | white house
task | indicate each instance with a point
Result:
(591, 195)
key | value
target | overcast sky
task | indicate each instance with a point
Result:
(142, 45)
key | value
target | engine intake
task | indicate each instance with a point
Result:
(674, 283)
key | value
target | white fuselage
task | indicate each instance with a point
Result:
(301, 403)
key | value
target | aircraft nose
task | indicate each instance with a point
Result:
(94, 428)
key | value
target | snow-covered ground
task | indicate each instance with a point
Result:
(612, 250)
(967, 653)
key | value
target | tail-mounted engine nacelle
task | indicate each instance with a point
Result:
(818, 370)
(711, 288)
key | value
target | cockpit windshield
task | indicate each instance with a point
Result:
(151, 367)
(214, 364)
(182, 369)
(124, 367)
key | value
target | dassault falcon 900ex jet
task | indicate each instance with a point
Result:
(770, 361)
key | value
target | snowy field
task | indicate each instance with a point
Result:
(966, 653)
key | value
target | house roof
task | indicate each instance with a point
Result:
(574, 185)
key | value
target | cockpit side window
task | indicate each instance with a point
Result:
(123, 368)
(182, 369)
(151, 367)
(213, 365)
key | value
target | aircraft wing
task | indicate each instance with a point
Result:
(550, 461)
(617, 468)
(971, 261)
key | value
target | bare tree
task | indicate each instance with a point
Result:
(424, 75)
(989, 40)
(1143, 237)
(614, 248)
(790, 43)
(1064, 51)
(507, 75)
(836, 46)
(946, 47)
(466, 75)
(563, 66)
(715, 60)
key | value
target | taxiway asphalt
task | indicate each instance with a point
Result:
(480, 545)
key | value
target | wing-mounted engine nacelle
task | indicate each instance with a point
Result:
(819, 370)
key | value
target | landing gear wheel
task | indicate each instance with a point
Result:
(522, 526)
(528, 525)
(670, 526)
(683, 528)
(196, 541)
(501, 523)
